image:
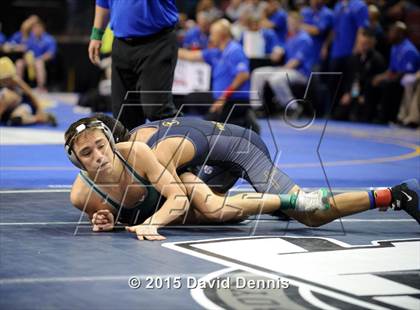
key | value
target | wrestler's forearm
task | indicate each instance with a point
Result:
(174, 207)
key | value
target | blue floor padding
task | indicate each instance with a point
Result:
(295, 151)
(45, 265)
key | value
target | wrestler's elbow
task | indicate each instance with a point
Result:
(182, 202)
(75, 199)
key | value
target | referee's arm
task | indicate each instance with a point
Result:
(99, 24)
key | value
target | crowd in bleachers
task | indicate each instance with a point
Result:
(32, 48)
(24, 57)
(353, 59)
(373, 43)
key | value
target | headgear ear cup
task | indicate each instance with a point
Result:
(79, 129)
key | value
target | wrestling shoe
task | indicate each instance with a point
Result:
(405, 196)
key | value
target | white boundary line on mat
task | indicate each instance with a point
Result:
(143, 278)
(206, 226)
(35, 191)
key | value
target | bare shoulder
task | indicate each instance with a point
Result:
(137, 149)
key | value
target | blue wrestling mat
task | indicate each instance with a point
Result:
(51, 259)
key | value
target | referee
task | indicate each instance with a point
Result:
(144, 55)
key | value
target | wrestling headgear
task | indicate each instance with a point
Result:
(90, 124)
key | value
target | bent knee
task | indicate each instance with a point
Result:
(311, 219)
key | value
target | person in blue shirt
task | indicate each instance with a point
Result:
(405, 58)
(197, 38)
(350, 17)
(16, 45)
(274, 17)
(230, 76)
(21, 37)
(297, 68)
(270, 43)
(317, 21)
(144, 56)
(43, 48)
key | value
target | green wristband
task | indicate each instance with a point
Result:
(288, 201)
(97, 34)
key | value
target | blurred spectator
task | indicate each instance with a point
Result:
(233, 11)
(210, 8)
(296, 5)
(376, 27)
(182, 27)
(260, 42)
(297, 54)
(240, 25)
(13, 91)
(17, 43)
(248, 9)
(409, 114)
(255, 8)
(317, 21)
(399, 9)
(405, 58)
(230, 77)
(20, 38)
(198, 36)
(43, 46)
(274, 17)
(350, 17)
(359, 99)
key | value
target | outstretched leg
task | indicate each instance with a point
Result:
(312, 209)
(217, 208)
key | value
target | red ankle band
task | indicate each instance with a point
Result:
(383, 198)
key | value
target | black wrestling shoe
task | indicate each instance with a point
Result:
(406, 197)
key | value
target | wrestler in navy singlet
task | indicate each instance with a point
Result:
(224, 147)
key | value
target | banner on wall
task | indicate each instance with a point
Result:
(191, 77)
